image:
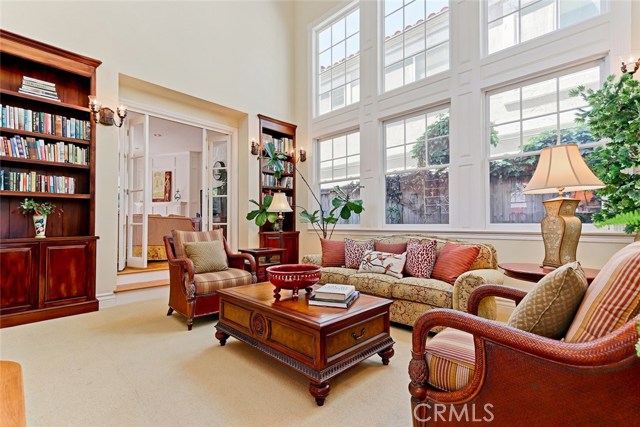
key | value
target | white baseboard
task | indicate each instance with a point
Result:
(111, 299)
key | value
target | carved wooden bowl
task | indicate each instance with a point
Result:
(293, 276)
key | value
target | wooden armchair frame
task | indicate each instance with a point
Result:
(182, 288)
(527, 379)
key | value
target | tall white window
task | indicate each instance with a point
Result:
(524, 120)
(338, 62)
(416, 40)
(417, 168)
(340, 166)
(510, 22)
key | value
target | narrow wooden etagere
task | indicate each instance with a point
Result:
(284, 137)
(53, 276)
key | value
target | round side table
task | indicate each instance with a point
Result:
(532, 272)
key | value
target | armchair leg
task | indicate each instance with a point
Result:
(191, 310)
(170, 311)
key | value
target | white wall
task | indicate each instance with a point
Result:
(606, 37)
(237, 54)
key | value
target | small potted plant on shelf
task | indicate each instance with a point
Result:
(40, 211)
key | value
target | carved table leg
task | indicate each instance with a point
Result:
(386, 354)
(222, 337)
(319, 391)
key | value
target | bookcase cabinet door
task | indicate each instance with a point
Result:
(289, 242)
(68, 272)
(18, 277)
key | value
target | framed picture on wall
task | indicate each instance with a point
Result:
(161, 186)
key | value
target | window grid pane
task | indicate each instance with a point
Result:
(416, 169)
(515, 144)
(338, 73)
(416, 41)
(511, 22)
(340, 166)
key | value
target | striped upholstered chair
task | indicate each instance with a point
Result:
(510, 377)
(195, 294)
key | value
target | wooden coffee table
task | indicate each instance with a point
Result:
(318, 342)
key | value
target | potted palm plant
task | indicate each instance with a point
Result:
(40, 211)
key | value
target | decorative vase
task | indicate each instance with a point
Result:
(40, 225)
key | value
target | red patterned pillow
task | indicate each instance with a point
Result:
(420, 258)
(453, 261)
(332, 253)
(353, 252)
(391, 248)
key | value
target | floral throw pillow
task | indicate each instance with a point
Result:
(353, 252)
(421, 257)
(383, 262)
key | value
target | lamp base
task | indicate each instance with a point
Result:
(561, 231)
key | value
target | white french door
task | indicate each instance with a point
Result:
(216, 181)
(137, 193)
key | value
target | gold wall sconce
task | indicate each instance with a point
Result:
(302, 155)
(105, 115)
(255, 150)
(630, 66)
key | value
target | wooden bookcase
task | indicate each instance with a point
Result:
(55, 276)
(284, 136)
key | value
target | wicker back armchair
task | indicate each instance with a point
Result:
(194, 295)
(516, 378)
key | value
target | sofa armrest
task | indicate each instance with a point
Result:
(243, 262)
(467, 282)
(181, 271)
(315, 259)
(485, 291)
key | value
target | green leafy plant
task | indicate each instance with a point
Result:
(30, 206)
(614, 115)
(260, 215)
(631, 219)
(343, 204)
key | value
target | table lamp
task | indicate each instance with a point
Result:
(279, 204)
(561, 168)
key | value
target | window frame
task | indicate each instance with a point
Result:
(380, 43)
(604, 9)
(343, 12)
(404, 116)
(603, 65)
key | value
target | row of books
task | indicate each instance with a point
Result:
(38, 121)
(41, 88)
(271, 181)
(30, 148)
(35, 182)
(334, 295)
(282, 145)
(289, 167)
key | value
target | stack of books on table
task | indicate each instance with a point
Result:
(333, 295)
(35, 87)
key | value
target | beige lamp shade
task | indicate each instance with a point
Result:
(562, 168)
(279, 203)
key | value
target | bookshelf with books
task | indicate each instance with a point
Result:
(47, 153)
(283, 137)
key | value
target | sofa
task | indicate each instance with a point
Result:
(412, 296)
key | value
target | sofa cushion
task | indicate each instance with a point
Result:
(332, 253)
(450, 356)
(454, 260)
(208, 283)
(207, 256)
(429, 291)
(383, 262)
(353, 252)
(550, 306)
(612, 299)
(182, 237)
(373, 283)
(392, 248)
(421, 257)
(339, 275)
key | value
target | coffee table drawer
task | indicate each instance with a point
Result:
(352, 336)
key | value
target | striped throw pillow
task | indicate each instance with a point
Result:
(453, 261)
(612, 299)
(332, 253)
(451, 358)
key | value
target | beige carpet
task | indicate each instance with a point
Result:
(133, 366)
